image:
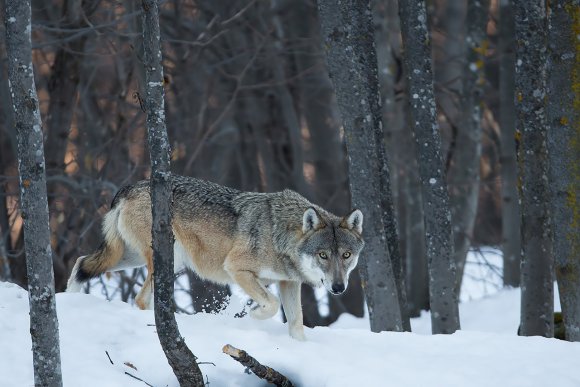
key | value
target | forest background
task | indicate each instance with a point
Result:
(249, 104)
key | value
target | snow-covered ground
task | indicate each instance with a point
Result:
(486, 353)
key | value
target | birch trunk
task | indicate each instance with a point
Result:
(537, 303)
(564, 155)
(33, 200)
(178, 354)
(510, 218)
(352, 63)
(439, 237)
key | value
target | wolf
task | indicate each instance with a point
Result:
(232, 237)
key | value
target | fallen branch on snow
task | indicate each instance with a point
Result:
(258, 369)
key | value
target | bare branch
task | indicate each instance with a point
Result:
(261, 371)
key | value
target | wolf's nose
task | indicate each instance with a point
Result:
(337, 288)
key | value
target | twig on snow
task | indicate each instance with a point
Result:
(134, 377)
(258, 369)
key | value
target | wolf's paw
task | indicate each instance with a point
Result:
(297, 333)
(262, 312)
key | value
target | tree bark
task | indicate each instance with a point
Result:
(464, 171)
(400, 146)
(352, 63)
(33, 200)
(386, 77)
(564, 154)
(510, 218)
(178, 354)
(439, 236)
(537, 303)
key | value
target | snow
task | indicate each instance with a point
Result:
(487, 352)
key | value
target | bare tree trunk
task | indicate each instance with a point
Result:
(537, 304)
(400, 145)
(62, 87)
(178, 354)
(33, 200)
(439, 236)
(352, 63)
(510, 218)
(386, 83)
(564, 155)
(464, 172)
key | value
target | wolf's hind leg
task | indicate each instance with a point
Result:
(290, 297)
(144, 299)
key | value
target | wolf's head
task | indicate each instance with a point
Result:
(330, 248)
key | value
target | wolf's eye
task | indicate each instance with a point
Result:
(323, 255)
(346, 254)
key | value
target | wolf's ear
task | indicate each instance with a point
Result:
(311, 220)
(354, 221)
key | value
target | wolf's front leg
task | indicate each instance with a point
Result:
(290, 297)
(268, 304)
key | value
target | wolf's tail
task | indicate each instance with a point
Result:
(106, 257)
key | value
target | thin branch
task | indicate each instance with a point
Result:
(134, 377)
(107, 352)
(261, 371)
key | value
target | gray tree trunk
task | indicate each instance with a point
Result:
(400, 145)
(178, 354)
(564, 155)
(537, 303)
(352, 63)
(33, 201)
(439, 236)
(386, 82)
(464, 172)
(510, 218)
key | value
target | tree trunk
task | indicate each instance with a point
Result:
(510, 218)
(439, 236)
(400, 145)
(564, 155)
(464, 172)
(537, 304)
(352, 63)
(33, 200)
(178, 355)
(386, 89)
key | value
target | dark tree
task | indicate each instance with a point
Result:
(564, 155)
(439, 237)
(464, 172)
(537, 304)
(178, 354)
(352, 64)
(33, 200)
(510, 219)
(401, 151)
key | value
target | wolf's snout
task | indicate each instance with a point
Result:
(337, 288)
